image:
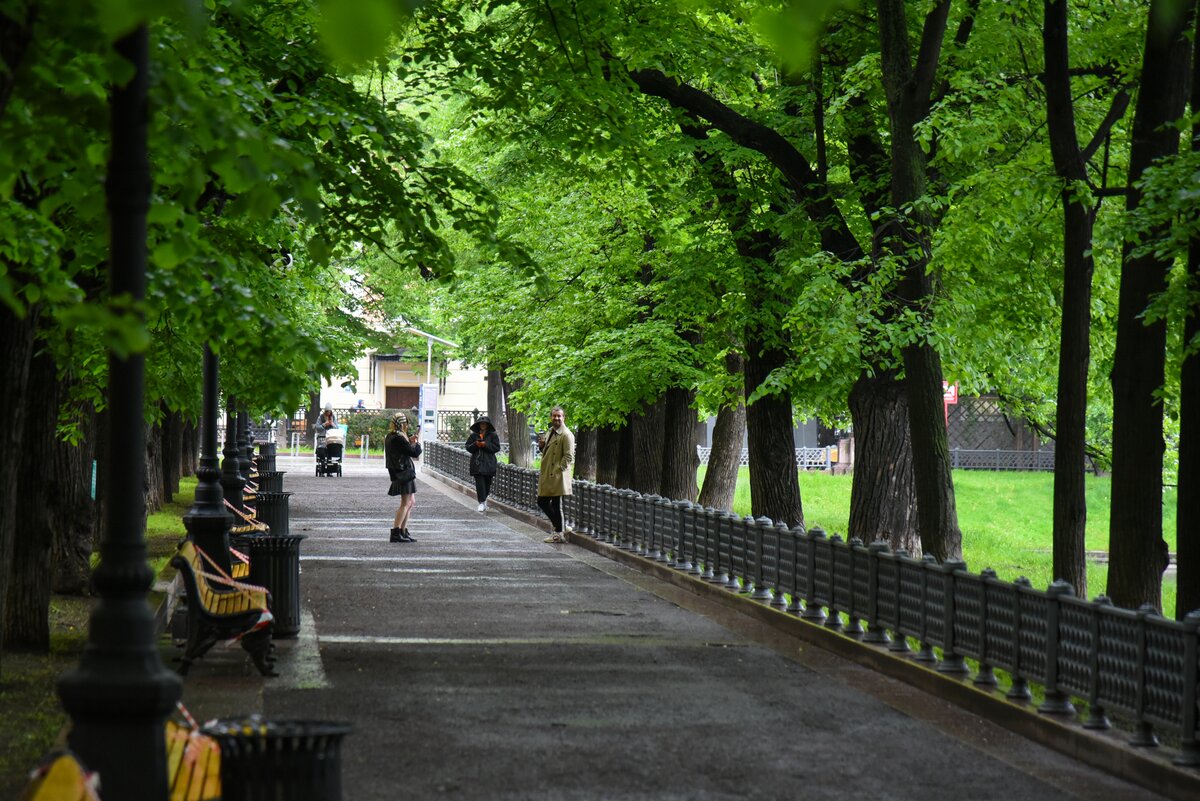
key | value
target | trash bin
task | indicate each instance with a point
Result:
(266, 456)
(275, 564)
(272, 509)
(270, 480)
(285, 760)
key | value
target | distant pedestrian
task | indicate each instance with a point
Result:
(483, 445)
(399, 450)
(558, 453)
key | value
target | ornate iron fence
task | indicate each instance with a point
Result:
(806, 458)
(1135, 662)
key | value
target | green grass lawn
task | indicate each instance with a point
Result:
(1006, 520)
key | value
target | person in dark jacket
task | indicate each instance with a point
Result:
(483, 445)
(399, 450)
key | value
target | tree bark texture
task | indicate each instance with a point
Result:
(26, 620)
(17, 334)
(725, 458)
(625, 451)
(585, 454)
(883, 502)
(520, 450)
(1187, 511)
(73, 516)
(608, 454)
(172, 453)
(1070, 504)
(774, 478)
(495, 404)
(100, 519)
(1136, 546)
(311, 415)
(680, 460)
(908, 87)
(646, 429)
(154, 468)
(189, 454)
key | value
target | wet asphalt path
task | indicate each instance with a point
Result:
(480, 663)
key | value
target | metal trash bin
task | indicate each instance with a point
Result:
(272, 508)
(265, 460)
(275, 564)
(270, 480)
(285, 760)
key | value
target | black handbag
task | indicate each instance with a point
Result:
(401, 477)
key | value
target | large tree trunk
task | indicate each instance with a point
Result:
(725, 458)
(909, 89)
(680, 460)
(495, 404)
(520, 449)
(100, 519)
(1187, 512)
(172, 452)
(774, 478)
(1136, 545)
(585, 454)
(73, 516)
(608, 455)
(17, 334)
(154, 468)
(26, 620)
(625, 451)
(189, 454)
(882, 498)
(646, 428)
(1070, 504)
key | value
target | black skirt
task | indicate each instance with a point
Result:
(403, 488)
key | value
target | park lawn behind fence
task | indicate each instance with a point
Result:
(1006, 520)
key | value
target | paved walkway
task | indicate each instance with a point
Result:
(480, 663)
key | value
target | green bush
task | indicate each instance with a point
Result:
(373, 424)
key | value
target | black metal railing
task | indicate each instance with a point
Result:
(1116, 660)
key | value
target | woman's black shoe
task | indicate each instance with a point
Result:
(397, 535)
(405, 536)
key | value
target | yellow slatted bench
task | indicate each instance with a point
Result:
(220, 608)
(60, 777)
(193, 763)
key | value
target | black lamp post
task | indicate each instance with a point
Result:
(231, 477)
(207, 521)
(121, 693)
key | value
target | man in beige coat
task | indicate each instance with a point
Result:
(558, 454)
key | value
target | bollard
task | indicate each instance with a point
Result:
(296, 760)
(275, 564)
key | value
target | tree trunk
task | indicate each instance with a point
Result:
(495, 404)
(906, 240)
(646, 428)
(585, 454)
(520, 449)
(100, 519)
(73, 516)
(680, 460)
(608, 454)
(172, 452)
(1070, 503)
(774, 478)
(1136, 545)
(154, 468)
(883, 502)
(311, 415)
(725, 458)
(624, 477)
(189, 456)
(27, 620)
(1187, 511)
(17, 334)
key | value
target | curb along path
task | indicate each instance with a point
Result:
(480, 663)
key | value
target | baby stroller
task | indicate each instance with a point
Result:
(329, 454)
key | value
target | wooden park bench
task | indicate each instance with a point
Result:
(220, 608)
(193, 769)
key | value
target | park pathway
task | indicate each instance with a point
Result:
(480, 663)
